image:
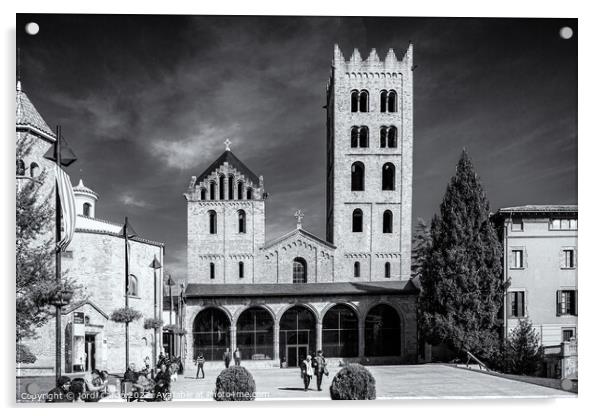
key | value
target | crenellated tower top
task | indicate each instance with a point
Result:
(373, 63)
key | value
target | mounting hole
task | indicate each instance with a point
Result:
(566, 32)
(32, 28)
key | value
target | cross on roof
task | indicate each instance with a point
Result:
(228, 143)
(299, 215)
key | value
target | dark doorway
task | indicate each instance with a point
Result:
(90, 349)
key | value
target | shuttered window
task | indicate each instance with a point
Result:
(516, 304)
(566, 302)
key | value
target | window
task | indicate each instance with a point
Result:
(517, 260)
(211, 333)
(364, 136)
(33, 170)
(392, 101)
(567, 334)
(364, 101)
(211, 271)
(388, 177)
(358, 220)
(568, 258)
(212, 191)
(340, 333)
(392, 137)
(242, 222)
(132, 285)
(387, 222)
(241, 269)
(383, 101)
(249, 193)
(355, 134)
(357, 176)
(517, 224)
(387, 270)
(255, 334)
(212, 222)
(240, 190)
(563, 224)
(86, 210)
(359, 136)
(382, 332)
(230, 187)
(383, 137)
(516, 304)
(299, 270)
(20, 167)
(221, 187)
(566, 302)
(356, 269)
(354, 101)
(203, 194)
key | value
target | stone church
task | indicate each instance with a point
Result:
(349, 294)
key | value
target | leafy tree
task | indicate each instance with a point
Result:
(36, 286)
(522, 351)
(421, 244)
(462, 289)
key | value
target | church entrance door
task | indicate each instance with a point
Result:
(295, 354)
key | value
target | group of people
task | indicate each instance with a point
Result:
(227, 357)
(90, 388)
(315, 365)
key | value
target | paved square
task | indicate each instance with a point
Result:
(408, 381)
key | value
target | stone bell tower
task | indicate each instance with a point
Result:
(369, 165)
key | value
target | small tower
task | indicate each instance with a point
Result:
(226, 222)
(369, 165)
(85, 200)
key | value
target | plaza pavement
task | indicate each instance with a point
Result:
(404, 382)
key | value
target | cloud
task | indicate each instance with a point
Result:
(130, 200)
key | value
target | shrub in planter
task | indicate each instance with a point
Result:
(234, 384)
(353, 382)
(153, 323)
(125, 315)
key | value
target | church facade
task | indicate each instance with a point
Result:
(349, 294)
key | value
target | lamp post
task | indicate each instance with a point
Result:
(170, 283)
(155, 265)
(180, 316)
(55, 154)
(128, 232)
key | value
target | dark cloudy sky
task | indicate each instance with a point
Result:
(147, 101)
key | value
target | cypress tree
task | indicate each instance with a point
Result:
(462, 288)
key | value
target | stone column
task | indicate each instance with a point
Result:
(232, 339)
(318, 336)
(277, 342)
(361, 339)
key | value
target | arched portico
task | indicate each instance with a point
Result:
(297, 335)
(211, 333)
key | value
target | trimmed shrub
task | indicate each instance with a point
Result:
(234, 384)
(353, 382)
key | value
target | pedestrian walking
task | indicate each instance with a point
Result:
(227, 357)
(319, 364)
(200, 364)
(237, 357)
(306, 372)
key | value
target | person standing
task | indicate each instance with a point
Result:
(306, 372)
(62, 392)
(237, 357)
(227, 357)
(200, 364)
(319, 364)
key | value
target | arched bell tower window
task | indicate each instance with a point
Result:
(299, 270)
(241, 269)
(354, 101)
(383, 101)
(356, 269)
(222, 189)
(203, 194)
(388, 177)
(364, 101)
(392, 101)
(242, 221)
(212, 191)
(86, 209)
(360, 136)
(240, 190)
(211, 271)
(249, 193)
(357, 221)
(392, 137)
(357, 176)
(387, 222)
(33, 169)
(387, 270)
(212, 222)
(230, 187)
(132, 285)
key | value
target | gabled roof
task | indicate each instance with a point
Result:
(298, 231)
(28, 116)
(198, 290)
(74, 306)
(536, 210)
(233, 161)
